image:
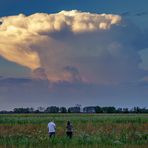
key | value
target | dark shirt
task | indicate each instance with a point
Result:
(69, 128)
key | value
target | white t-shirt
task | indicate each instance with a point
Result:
(51, 127)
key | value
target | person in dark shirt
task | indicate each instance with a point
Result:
(69, 130)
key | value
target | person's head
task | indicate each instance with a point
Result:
(68, 123)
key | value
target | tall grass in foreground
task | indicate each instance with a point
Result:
(96, 130)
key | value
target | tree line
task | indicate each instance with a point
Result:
(77, 109)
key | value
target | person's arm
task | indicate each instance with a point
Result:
(48, 128)
(54, 126)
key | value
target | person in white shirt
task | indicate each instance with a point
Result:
(51, 129)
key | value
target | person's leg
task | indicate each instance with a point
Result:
(70, 135)
(52, 134)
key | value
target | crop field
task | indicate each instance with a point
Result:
(90, 130)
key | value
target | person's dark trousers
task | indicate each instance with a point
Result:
(69, 134)
(52, 134)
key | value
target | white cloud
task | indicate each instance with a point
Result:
(96, 47)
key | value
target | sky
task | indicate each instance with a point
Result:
(67, 52)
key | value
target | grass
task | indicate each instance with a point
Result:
(90, 130)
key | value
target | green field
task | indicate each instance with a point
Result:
(90, 130)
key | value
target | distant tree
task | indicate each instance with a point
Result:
(41, 109)
(98, 109)
(137, 110)
(77, 109)
(52, 109)
(89, 109)
(119, 110)
(74, 110)
(23, 110)
(110, 109)
(36, 111)
(31, 110)
(69, 110)
(144, 110)
(63, 110)
(4, 112)
(79, 106)
(125, 110)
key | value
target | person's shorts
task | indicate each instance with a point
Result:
(51, 134)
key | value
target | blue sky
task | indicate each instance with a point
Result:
(14, 7)
(114, 72)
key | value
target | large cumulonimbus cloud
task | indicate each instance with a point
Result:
(72, 46)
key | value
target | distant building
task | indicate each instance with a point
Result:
(89, 109)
